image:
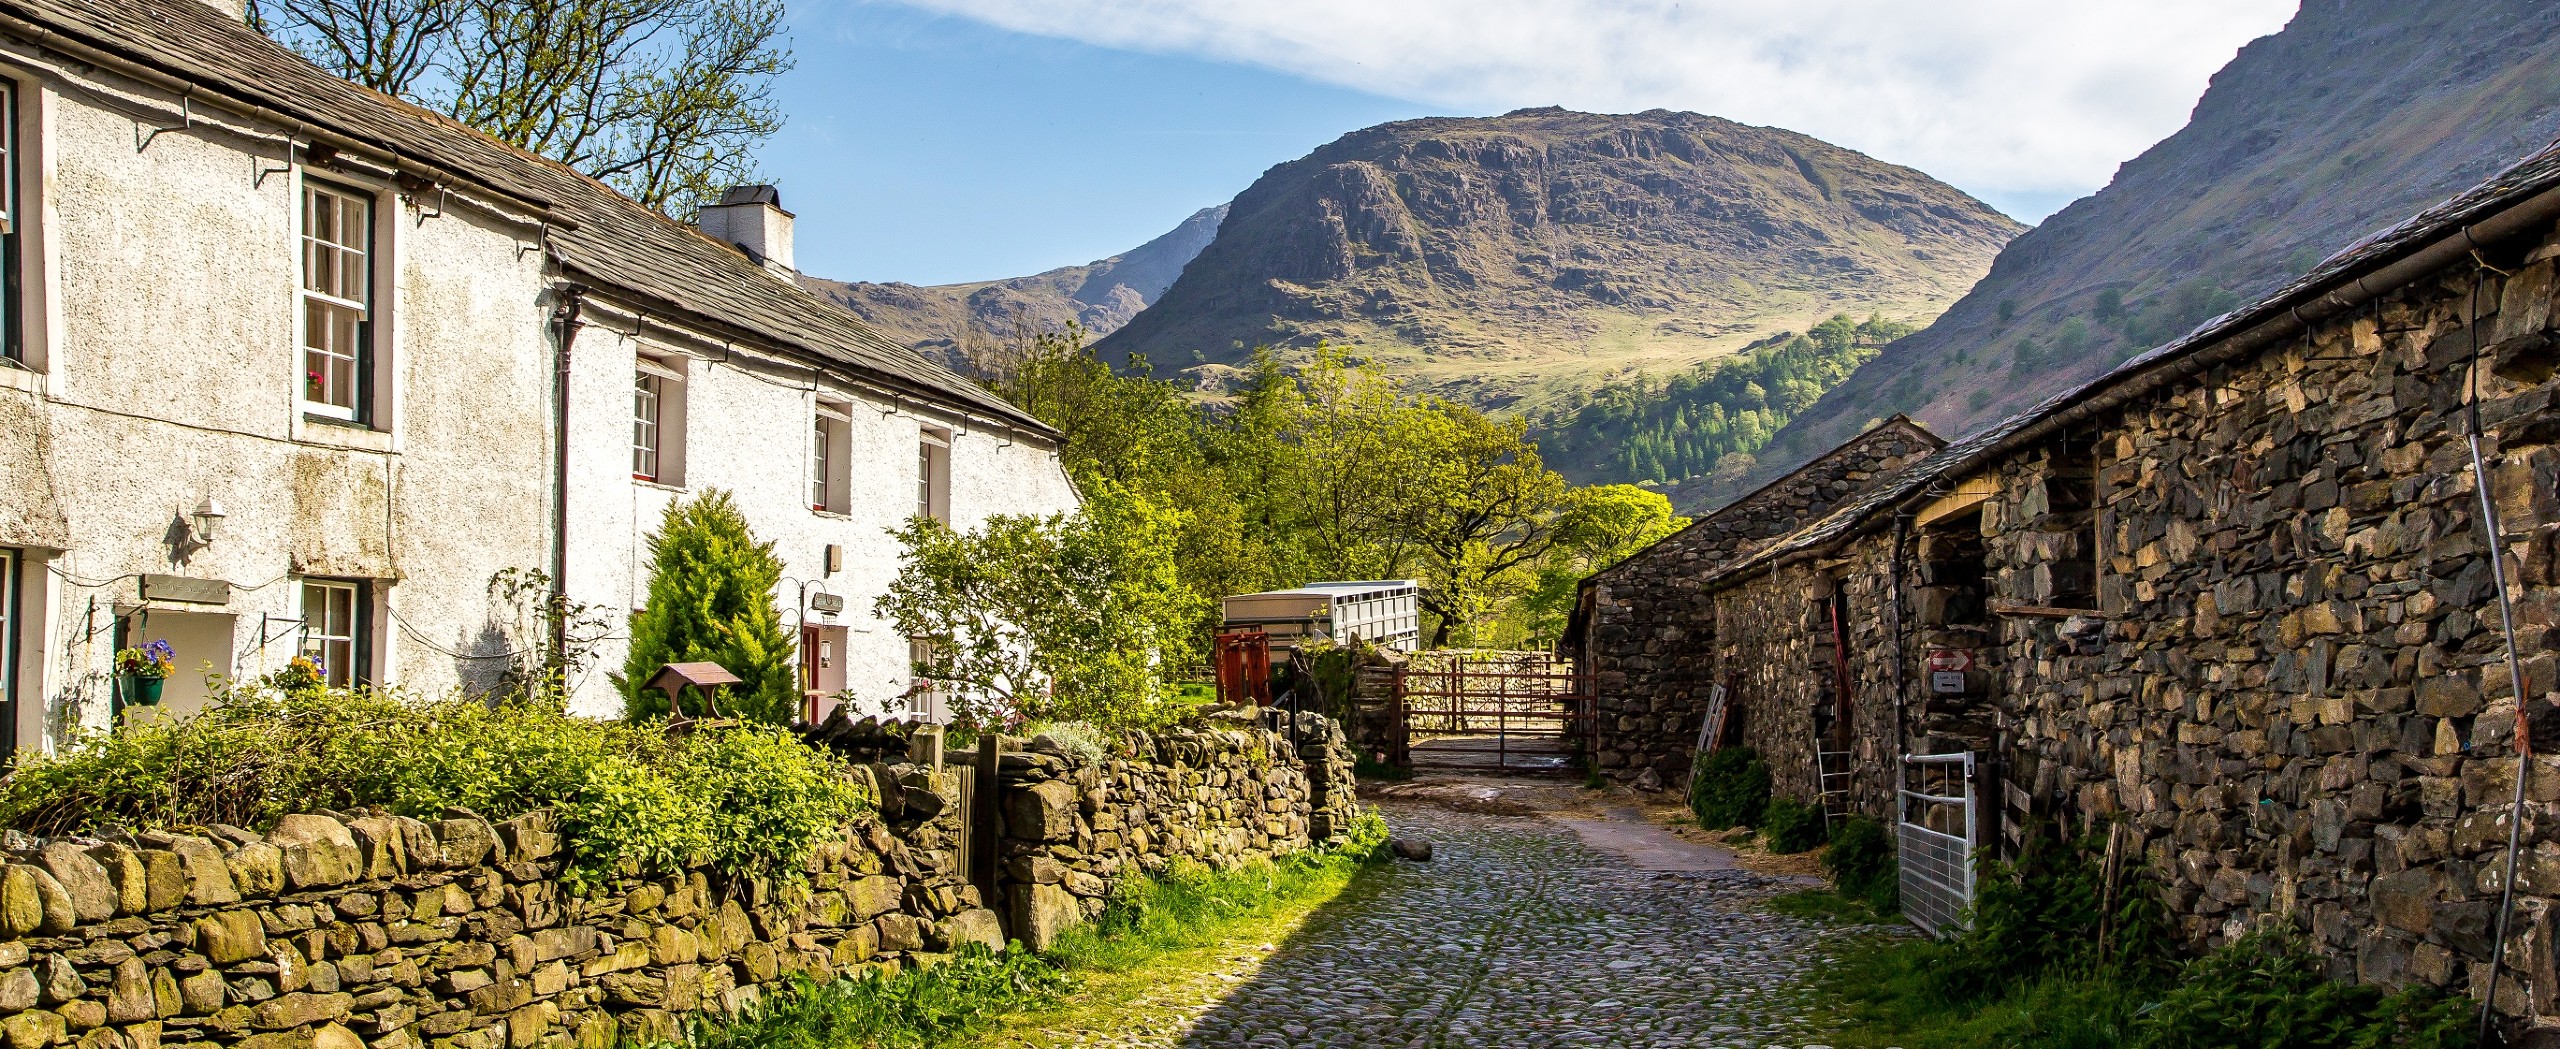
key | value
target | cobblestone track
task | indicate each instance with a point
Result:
(1521, 935)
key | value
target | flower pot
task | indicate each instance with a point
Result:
(143, 691)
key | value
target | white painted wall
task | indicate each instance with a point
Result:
(748, 431)
(168, 354)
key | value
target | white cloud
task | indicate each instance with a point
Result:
(2015, 98)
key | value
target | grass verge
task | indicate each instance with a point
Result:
(1158, 932)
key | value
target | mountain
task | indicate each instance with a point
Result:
(2358, 114)
(1520, 261)
(949, 321)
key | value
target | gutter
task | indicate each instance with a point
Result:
(565, 320)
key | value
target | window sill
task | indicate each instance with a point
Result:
(832, 515)
(16, 378)
(659, 485)
(342, 433)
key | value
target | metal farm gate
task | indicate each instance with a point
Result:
(1935, 830)
(1489, 711)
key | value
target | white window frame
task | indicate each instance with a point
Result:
(648, 417)
(831, 458)
(657, 443)
(933, 473)
(341, 670)
(309, 299)
(10, 560)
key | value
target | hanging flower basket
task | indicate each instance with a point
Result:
(142, 691)
(141, 672)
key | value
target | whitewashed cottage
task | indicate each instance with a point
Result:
(291, 366)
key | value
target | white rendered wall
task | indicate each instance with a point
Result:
(749, 433)
(168, 280)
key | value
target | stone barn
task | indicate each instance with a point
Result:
(2236, 598)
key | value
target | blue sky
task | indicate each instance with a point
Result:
(933, 149)
(934, 141)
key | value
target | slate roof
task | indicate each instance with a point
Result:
(605, 239)
(2170, 361)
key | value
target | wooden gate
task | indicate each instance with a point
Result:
(1491, 711)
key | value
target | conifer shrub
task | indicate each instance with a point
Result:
(1729, 788)
(1791, 826)
(749, 798)
(1861, 861)
(711, 587)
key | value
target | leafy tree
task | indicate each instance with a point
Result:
(1598, 527)
(664, 100)
(1057, 617)
(711, 587)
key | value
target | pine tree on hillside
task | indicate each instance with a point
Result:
(711, 600)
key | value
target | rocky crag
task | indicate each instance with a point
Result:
(2356, 115)
(955, 323)
(1514, 259)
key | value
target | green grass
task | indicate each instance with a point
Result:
(1157, 930)
(909, 1010)
(1191, 905)
(1887, 993)
(1827, 905)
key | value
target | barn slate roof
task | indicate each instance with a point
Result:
(2526, 180)
(604, 238)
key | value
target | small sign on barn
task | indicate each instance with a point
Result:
(1947, 670)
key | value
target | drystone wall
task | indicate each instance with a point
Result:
(347, 931)
(1074, 826)
(1650, 622)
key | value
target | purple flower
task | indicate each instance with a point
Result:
(160, 652)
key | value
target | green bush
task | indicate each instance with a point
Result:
(2045, 963)
(2269, 991)
(750, 798)
(1792, 826)
(710, 600)
(1729, 788)
(1862, 865)
(911, 1010)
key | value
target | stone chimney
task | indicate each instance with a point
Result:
(235, 10)
(752, 219)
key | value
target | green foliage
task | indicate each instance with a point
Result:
(1190, 905)
(2047, 963)
(2269, 991)
(1088, 742)
(913, 1009)
(1060, 617)
(1187, 906)
(1686, 426)
(749, 798)
(1729, 788)
(2166, 316)
(664, 100)
(1598, 527)
(1324, 470)
(1792, 826)
(711, 587)
(1862, 866)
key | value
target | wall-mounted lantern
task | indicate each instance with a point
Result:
(208, 518)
